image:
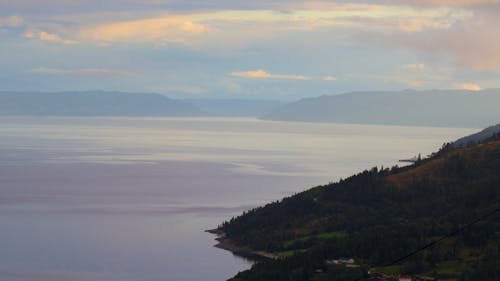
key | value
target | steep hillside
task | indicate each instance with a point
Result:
(380, 215)
(450, 108)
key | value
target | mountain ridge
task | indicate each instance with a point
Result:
(443, 108)
(92, 103)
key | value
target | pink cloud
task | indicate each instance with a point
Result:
(262, 74)
(473, 43)
(445, 3)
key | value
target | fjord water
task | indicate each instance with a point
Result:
(130, 198)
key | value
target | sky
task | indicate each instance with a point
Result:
(273, 49)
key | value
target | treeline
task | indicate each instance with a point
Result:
(380, 215)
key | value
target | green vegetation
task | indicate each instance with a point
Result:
(307, 239)
(381, 215)
(286, 254)
(391, 270)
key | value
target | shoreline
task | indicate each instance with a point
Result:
(225, 243)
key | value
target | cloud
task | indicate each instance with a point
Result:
(45, 36)
(446, 3)
(159, 30)
(470, 87)
(210, 26)
(262, 74)
(92, 72)
(473, 44)
(12, 21)
(428, 43)
(415, 84)
(469, 39)
(333, 15)
(412, 75)
(414, 66)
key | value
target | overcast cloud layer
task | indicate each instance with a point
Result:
(248, 49)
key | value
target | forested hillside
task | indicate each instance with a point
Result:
(381, 215)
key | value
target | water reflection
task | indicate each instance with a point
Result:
(130, 198)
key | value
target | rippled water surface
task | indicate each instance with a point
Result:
(129, 198)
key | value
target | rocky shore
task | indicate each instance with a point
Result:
(225, 243)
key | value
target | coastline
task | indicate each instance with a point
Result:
(225, 243)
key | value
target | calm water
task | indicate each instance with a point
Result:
(129, 198)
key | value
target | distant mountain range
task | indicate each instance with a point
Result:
(104, 103)
(447, 108)
(93, 103)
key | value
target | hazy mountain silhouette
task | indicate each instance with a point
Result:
(93, 103)
(452, 108)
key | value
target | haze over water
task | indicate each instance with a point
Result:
(129, 198)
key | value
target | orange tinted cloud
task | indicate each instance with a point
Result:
(209, 28)
(12, 21)
(162, 29)
(470, 87)
(262, 74)
(45, 36)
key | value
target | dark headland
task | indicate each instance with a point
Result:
(437, 219)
